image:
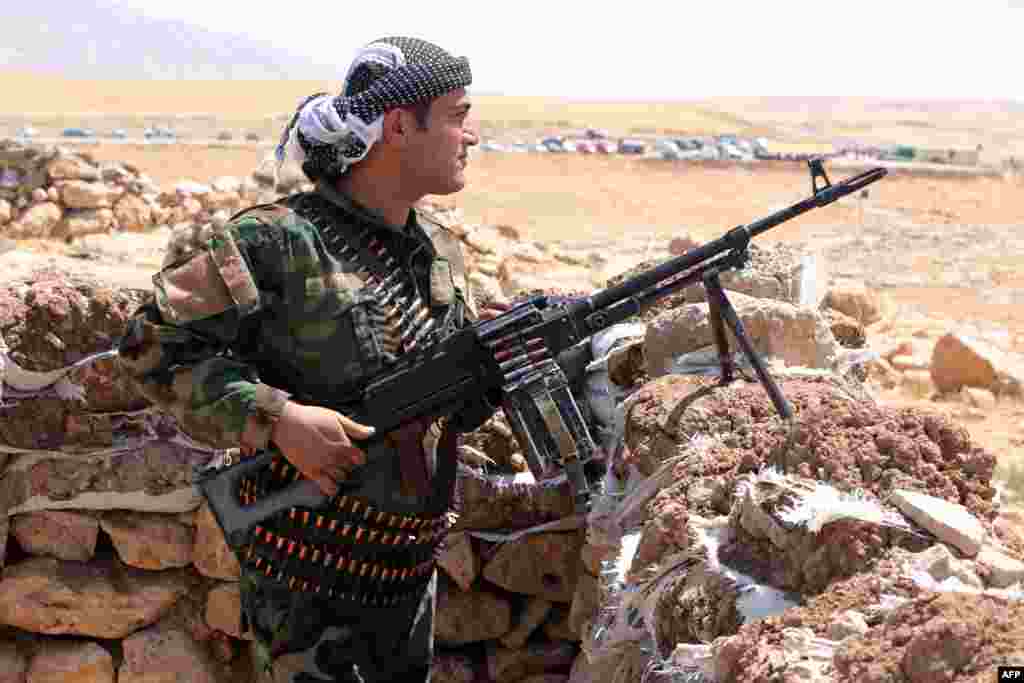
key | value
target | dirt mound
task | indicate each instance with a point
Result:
(843, 439)
(938, 637)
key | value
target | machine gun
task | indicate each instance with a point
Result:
(524, 361)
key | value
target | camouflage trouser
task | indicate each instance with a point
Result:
(318, 642)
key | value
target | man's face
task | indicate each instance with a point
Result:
(435, 158)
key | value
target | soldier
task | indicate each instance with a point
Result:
(255, 326)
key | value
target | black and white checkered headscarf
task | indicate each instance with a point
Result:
(337, 131)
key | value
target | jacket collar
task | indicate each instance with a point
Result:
(364, 213)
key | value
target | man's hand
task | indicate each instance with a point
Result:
(492, 310)
(316, 441)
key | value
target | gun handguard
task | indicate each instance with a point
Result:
(525, 360)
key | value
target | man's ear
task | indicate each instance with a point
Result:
(395, 127)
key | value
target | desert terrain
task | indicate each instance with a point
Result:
(944, 248)
(844, 590)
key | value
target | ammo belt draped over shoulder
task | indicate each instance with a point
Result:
(352, 550)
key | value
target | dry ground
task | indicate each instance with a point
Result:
(201, 108)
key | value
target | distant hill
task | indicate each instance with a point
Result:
(94, 39)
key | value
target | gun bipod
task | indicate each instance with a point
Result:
(721, 311)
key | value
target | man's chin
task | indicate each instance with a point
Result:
(453, 186)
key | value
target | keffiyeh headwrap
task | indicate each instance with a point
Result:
(338, 131)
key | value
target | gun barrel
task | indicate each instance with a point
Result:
(738, 237)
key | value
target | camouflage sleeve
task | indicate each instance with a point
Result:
(174, 346)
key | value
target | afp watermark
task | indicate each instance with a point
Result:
(1010, 673)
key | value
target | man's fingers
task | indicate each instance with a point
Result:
(327, 485)
(353, 428)
(346, 456)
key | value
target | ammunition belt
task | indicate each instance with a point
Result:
(402, 311)
(347, 550)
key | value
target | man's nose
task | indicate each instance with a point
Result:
(470, 136)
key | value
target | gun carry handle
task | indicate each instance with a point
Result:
(235, 519)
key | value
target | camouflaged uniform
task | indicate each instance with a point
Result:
(301, 299)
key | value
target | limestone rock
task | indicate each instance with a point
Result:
(459, 560)
(848, 332)
(133, 213)
(780, 272)
(64, 535)
(219, 200)
(542, 564)
(78, 223)
(520, 277)
(950, 522)
(156, 477)
(1003, 571)
(848, 623)
(164, 654)
(959, 360)
(223, 610)
(471, 616)
(856, 300)
(485, 241)
(799, 336)
(486, 287)
(149, 540)
(982, 399)
(940, 564)
(38, 221)
(918, 383)
(532, 615)
(71, 662)
(101, 599)
(211, 554)
(226, 184)
(557, 626)
(500, 501)
(72, 167)
(509, 666)
(585, 602)
(80, 194)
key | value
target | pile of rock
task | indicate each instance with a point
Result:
(728, 544)
(54, 193)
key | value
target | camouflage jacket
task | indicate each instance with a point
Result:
(265, 309)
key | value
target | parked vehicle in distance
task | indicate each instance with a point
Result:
(553, 144)
(224, 136)
(159, 134)
(252, 137)
(78, 133)
(27, 132)
(632, 147)
(119, 134)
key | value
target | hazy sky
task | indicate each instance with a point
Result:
(666, 49)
